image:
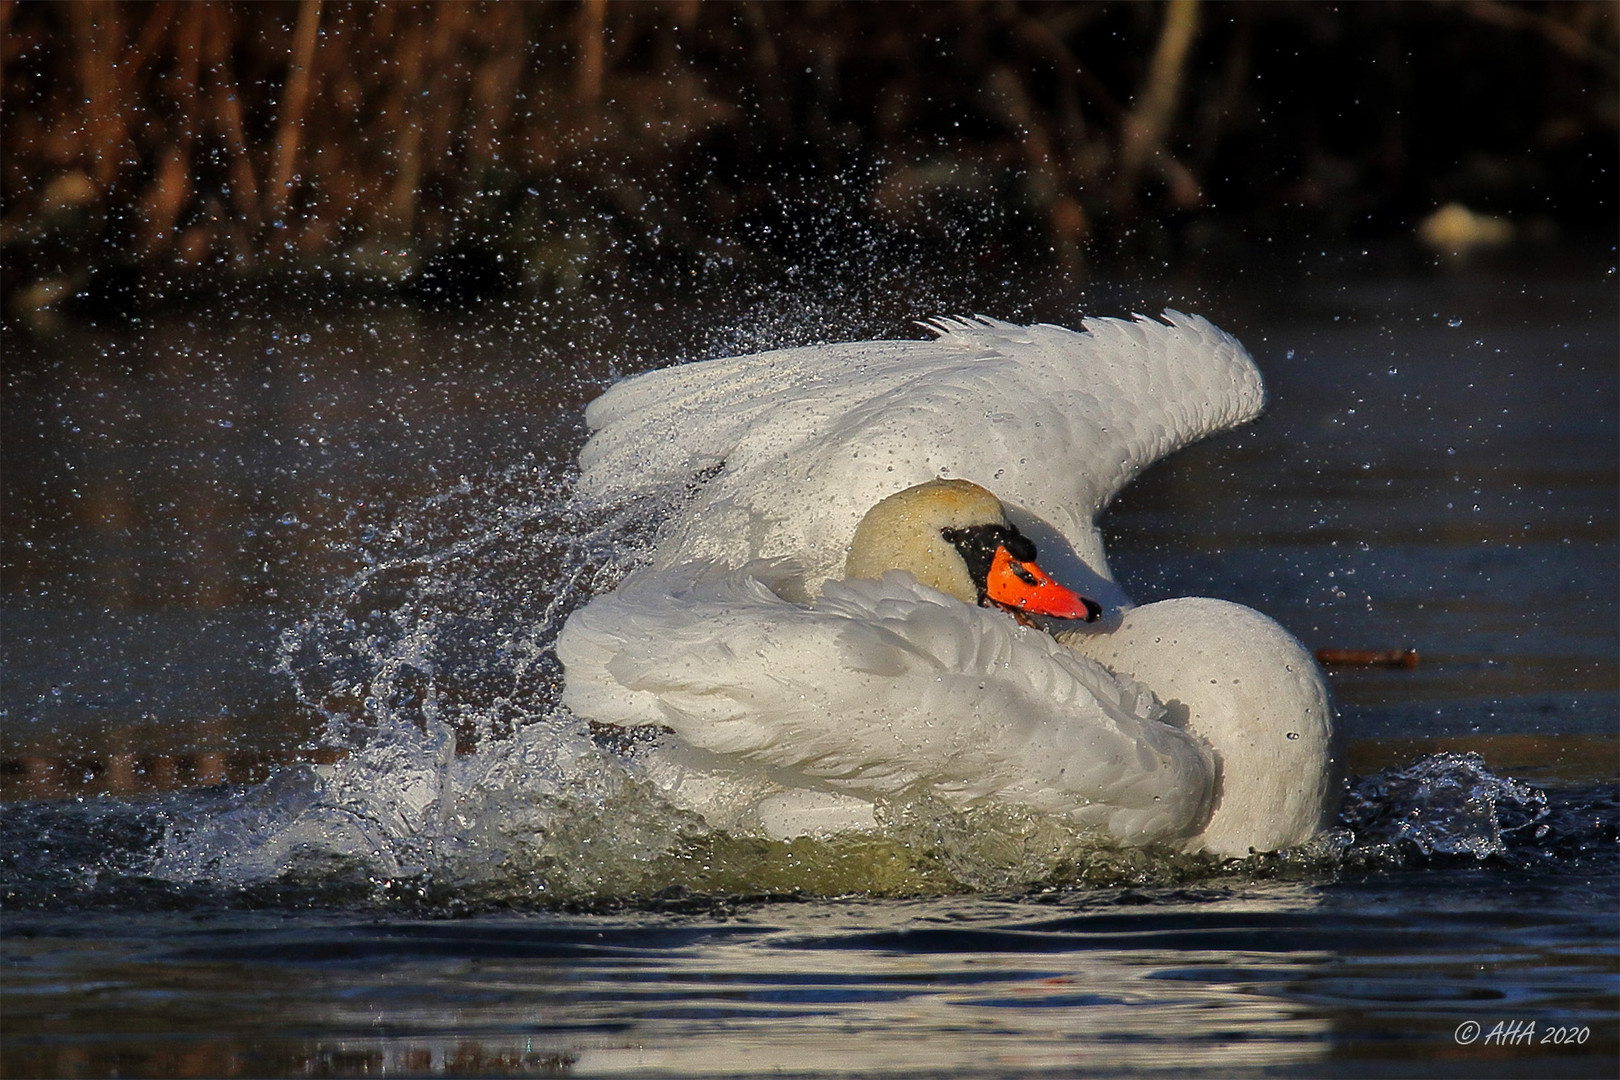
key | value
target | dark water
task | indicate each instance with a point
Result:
(240, 545)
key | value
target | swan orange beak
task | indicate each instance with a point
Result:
(1025, 587)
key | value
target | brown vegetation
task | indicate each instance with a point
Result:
(183, 141)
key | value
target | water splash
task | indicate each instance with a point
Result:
(452, 619)
(461, 780)
(1445, 804)
(434, 672)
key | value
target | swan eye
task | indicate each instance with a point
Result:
(1019, 546)
(978, 544)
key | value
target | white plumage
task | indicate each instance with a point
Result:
(1053, 421)
(879, 687)
(796, 700)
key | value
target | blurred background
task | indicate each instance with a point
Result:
(155, 152)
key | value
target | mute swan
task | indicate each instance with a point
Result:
(808, 635)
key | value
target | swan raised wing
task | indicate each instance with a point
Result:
(793, 446)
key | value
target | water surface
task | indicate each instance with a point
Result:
(234, 542)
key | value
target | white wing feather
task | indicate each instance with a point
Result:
(928, 692)
(802, 442)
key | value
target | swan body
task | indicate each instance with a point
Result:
(879, 688)
(807, 631)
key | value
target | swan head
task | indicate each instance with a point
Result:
(954, 536)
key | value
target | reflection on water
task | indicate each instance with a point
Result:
(284, 586)
(1224, 980)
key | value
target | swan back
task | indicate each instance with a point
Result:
(1254, 694)
(880, 688)
(794, 446)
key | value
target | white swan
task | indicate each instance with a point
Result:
(799, 683)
